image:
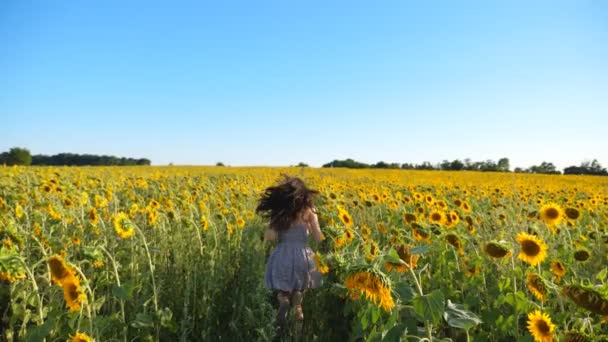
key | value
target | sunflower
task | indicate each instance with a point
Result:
(73, 294)
(100, 201)
(572, 213)
(123, 226)
(409, 260)
(496, 250)
(18, 211)
(533, 250)
(466, 207)
(345, 217)
(577, 336)
(81, 337)
(154, 204)
(373, 286)
(409, 218)
(348, 233)
(437, 217)
(551, 214)
(558, 269)
(60, 271)
(540, 326)
(419, 234)
(587, 298)
(204, 223)
(372, 250)
(240, 222)
(365, 232)
(537, 286)
(93, 216)
(321, 266)
(582, 255)
(454, 240)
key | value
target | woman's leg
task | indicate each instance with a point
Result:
(283, 298)
(296, 299)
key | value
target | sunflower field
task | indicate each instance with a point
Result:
(177, 254)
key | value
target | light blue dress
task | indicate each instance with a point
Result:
(291, 266)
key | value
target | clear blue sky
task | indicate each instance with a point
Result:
(275, 83)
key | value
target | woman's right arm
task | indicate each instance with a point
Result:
(313, 225)
(270, 235)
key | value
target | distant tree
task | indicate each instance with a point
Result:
(503, 165)
(519, 170)
(16, 156)
(407, 166)
(301, 164)
(544, 167)
(219, 164)
(347, 163)
(586, 168)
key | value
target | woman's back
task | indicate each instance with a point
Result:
(296, 233)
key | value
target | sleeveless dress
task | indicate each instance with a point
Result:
(291, 266)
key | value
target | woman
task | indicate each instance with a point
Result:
(291, 268)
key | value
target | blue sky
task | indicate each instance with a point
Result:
(279, 82)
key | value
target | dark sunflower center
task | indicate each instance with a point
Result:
(543, 327)
(531, 248)
(552, 213)
(436, 217)
(345, 219)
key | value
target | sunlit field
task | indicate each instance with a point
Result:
(176, 254)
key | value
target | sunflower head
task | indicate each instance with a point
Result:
(537, 286)
(582, 255)
(60, 271)
(540, 326)
(533, 250)
(586, 298)
(551, 214)
(497, 250)
(558, 269)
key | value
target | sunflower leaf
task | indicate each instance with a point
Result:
(458, 317)
(420, 249)
(393, 257)
(430, 307)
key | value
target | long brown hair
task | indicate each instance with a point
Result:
(283, 202)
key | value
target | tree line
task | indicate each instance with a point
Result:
(22, 156)
(502, 165)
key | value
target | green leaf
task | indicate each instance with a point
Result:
(430, 307)
(420, 249)
(40, 332)
(143, 321)
(458, 317)
(393, 257)
(602, 275)
(375, 315)
(405, 291)
(395, 333)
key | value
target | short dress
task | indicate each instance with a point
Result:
(291, 266)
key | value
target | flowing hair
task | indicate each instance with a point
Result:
(283, 202)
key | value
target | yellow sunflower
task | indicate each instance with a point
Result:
(558, 269)
(73, 294)
(81, 337)
(345, 217)
(537, 286)
(533, 250)
(321, 266)
(437, 217)
(123, 226)
(540, 326)
(372, 286)
(60, 271)
(551, 214)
